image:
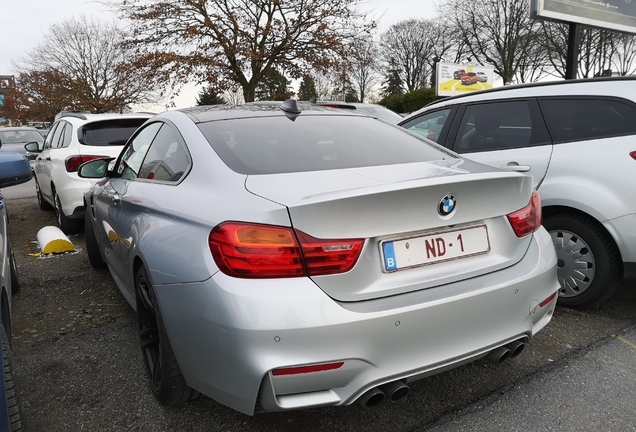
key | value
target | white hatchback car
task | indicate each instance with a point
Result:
(578, 140)
(76, 138)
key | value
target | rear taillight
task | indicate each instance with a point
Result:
(528, 219)
(265, 251)
(72, 163)
(633, 154)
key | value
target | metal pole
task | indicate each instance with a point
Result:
(571, 67)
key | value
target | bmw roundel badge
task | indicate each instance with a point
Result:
(447, 205)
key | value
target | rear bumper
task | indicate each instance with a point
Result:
(71, 193)
(229, 335)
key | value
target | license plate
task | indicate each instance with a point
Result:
(435, 248)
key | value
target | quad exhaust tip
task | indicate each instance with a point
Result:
(503, 353)
(394, 391)
(397, 390)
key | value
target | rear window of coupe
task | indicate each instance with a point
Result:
(272, 145)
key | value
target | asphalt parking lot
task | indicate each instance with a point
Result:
(79, 367)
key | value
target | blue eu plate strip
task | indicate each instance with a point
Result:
(389, 256)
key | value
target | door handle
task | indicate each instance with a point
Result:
(48, 158)
(115, 198)
(515, 167)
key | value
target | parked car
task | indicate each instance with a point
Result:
(577, 139)
(458, 74)
(298, 256)
(13, 139)
(14, 169)
(469, 78)
(482, 77)
(76, 138)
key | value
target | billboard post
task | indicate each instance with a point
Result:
(573, 51)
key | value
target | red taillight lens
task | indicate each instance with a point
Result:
(256, 251)
(324, 257)
(528, 219)
(266, 251)
(72, 163)
(633, 154)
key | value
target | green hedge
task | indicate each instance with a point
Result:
(409, 102)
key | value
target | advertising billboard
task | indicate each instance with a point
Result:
(453, 79)
(619, 15)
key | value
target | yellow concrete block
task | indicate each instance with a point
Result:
(52, 240)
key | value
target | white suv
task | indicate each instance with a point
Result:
(76, 138)
(578, 140)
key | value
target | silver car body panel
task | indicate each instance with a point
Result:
(228, 337)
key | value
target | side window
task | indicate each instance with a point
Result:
(48, 142)
(429, 125)
(495, 126)
(582, 119)
(133, 154)
(55, 140)
(167, 159)
(67, 135)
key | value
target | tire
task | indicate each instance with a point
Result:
(166, 381)
(67, 225)
(42, 204)
(92, 247)
(12, 394)
(588, 261)
(15, 283)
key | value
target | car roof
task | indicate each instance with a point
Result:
(600, 85)
(206, 113)
(85, 116)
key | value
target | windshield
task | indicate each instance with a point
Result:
(19, 136)
(272, 145)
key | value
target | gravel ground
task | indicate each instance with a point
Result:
(79, 365)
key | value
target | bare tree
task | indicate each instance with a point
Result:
(325, 83)
(624, 58)
(407, 49)
(89, 55)
(240, 41)
(597, 49)
(499, 33)
(363, 67)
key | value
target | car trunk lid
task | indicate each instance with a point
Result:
(398, 206)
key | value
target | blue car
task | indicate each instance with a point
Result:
(14, 169)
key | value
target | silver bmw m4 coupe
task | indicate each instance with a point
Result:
(281, 258)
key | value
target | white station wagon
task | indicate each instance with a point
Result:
(578, 140)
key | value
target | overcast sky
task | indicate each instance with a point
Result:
(24, 23)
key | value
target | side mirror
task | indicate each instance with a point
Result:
(14, 169)
(32, 147)
(94, 169)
